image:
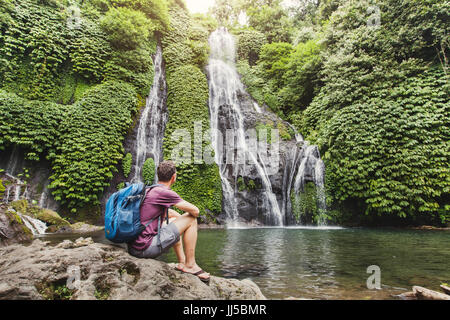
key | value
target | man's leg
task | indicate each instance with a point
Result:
(187, 225)
(177, 247)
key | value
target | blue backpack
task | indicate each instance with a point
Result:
(122, 214)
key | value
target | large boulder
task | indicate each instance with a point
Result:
(41, 271)
(50, 217)
(12, 228)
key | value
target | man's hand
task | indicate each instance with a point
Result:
(188, 207)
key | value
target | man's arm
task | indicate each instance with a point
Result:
(188, 207)
(173, 214)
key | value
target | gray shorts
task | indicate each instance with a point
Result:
(169, 236)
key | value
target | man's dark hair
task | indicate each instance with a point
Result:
(166, 170)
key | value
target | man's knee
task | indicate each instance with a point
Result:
(190, 217)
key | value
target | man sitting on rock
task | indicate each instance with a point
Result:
(155, 203)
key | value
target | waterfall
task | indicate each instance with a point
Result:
(152, 122)
(36, 226)
(13, 161)
(319, 180)
(301, 173)
(229, 108)
(225, 88)
(46, 200)
(16, 190)
(313, 166)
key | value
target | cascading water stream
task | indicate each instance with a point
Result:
(225, 87)
(36, 226)
(301, 162)
(152, 123)
(312, 160)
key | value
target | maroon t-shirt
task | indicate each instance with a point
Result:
(155, 203)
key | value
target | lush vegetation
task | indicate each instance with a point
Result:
(368, 83)
(148, 171)
(72, 75)
(185, 51)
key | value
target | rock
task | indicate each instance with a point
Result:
(40, 271)
(20, 205)
(12, 228)
(48, 216)
(78, 228)
(56, 229)
(445, 288)
(81, 227)
(427, 294)
(51, 217)
(80, 242)
(66, 244)
(407, 296)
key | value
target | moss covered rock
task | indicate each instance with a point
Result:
(2, 188)
(12, 228)
(51, 217)
(48, 216)
(20, 205)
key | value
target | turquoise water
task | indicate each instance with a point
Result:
(326, 264)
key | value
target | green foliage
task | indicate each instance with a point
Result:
(148, 171)
(200, 52)
(91, 144)
(22, 123)
(241, 184)
(381, 117)
(395, 154)
(264, 130)
(249, 45)
(305, 208)
(181, 50)
(126, 28)
(285, 77)
(249, 186)
(301, 77)
(206, 23)
(156, 10)
(37, 34)
(44, 59)
(285, 132)
(89, 52)
(374, 98)
(272, 20)
(42, 54)
(132, 66)
(256, 85)
(304, 205)
(54, 291)
(274, 58)
(126, 164)
(2, 188)
(187, 101)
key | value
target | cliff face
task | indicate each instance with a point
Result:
(83, 270)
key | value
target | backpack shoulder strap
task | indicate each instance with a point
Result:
(166, 211)
(146, 191)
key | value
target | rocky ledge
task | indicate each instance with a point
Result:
(84, 270)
